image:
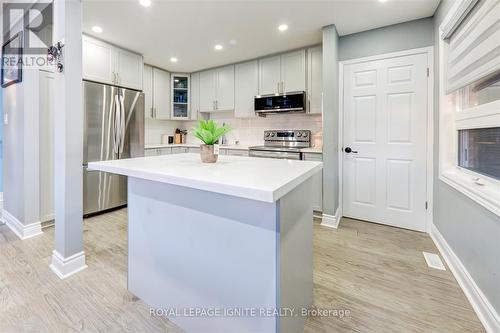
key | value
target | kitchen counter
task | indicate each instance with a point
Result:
(221, 237)
(246, 177)
(313, 150)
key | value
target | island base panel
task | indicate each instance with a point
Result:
(193, 250)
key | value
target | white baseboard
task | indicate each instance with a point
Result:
(23, 231)
(483, 308)
(65, 267)
(331, 221)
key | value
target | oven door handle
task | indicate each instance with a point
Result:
(275, 154)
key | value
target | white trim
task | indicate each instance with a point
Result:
(430, 122)
(331, 221)
(65, 267)
(483, 308)
(480, 188)
(22, 231)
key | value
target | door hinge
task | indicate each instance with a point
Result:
(428, 71)
(426, 205)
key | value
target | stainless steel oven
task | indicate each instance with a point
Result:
(283, 144)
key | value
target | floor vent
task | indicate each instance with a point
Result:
(433, 261)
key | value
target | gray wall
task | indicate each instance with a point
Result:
(397, 37)
(20, 146)
(330, 120)
(472, 231)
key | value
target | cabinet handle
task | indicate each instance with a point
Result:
(278, 86)
(114, 77)
(282, 87)
(151, 112)
(216, 105)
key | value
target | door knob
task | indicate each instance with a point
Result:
(349, 150)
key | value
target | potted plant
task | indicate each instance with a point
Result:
(209, 133)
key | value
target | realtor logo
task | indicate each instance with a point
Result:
(34, 19)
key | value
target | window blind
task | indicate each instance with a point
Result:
(474, 47)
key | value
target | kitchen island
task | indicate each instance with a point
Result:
(223, 247)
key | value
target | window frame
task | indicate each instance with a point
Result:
(481, 188)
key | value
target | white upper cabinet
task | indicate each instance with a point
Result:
(105, 63)
(98, 60)
(315, 80)
(225, 89)
(129, 68)
(246, 80)
(161, 94)
(195, 96)
(217, 89)
(270, 75)
(207, 90)
(148, 91)
(283, 73)
(293, 71)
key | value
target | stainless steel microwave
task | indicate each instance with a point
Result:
(280, 103)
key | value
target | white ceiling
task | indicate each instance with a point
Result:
(189, 30)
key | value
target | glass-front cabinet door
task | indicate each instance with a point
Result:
(180, 96)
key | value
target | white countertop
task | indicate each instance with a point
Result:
(313, 150)
(261, 179)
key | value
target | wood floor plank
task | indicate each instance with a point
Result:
(376, 272)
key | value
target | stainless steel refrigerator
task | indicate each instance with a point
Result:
(113, 129)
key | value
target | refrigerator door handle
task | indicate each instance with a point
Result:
(116, 128)
(122, 124)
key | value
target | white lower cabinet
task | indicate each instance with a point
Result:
(318, 182)
(236, 152)
(157, 151)
(150, 152)
(179, 150)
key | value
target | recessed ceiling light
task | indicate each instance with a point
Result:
(145, 3)
(97, 29)
(218, 47)
(173, 59)
(283, 27)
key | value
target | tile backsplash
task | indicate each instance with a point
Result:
(248, 131)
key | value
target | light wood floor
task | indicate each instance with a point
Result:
(376, 272)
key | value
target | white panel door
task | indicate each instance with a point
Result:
(129, 68)
(98, 60)
(293, 71)
(385, 116)
(161, 95)
(246, 87)
(269, 75)
(225, 89)
(148, 91)
(195, 96)
(207, 90)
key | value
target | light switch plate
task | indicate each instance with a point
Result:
(6, 119)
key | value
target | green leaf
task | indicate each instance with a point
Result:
(209, 132)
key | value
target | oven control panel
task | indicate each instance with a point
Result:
(288, 135)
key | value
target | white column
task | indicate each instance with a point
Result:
(68, 256)
(331, 211)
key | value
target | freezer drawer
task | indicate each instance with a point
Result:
(103, 191)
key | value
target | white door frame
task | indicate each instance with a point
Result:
(429, 51)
